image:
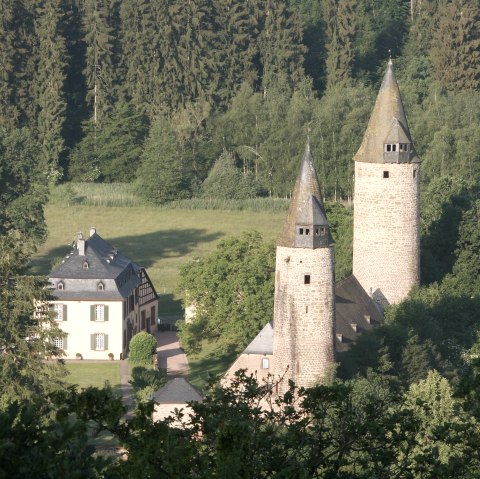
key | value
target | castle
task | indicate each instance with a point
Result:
(314, 318)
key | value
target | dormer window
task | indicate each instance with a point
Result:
(390, 147)
(85, 265)
(60, 286)
(100, 286)
(403, 147)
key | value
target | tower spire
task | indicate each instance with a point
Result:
(306, 215)
(387, 126)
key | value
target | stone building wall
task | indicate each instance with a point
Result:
(386, 238)
(258, 364)
(304, 317)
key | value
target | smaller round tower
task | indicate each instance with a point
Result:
(304, 315)
(386, 239)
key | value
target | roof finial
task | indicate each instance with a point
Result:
(390, 56)
(309, 130)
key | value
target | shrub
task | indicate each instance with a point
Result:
(142, 347)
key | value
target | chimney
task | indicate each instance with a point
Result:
(81, 244)
(93, 230)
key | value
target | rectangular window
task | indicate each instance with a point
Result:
(394, 147)
(306, 279)
(58, 342)
(414, 173)
(265, 363)
(58, 308)
(99, 342)
(99, 312)
(301, 231)
(386, 174)
(388, 147)
(307, 231)
(142, 318)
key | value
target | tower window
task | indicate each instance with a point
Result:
(403, 146)
(394, 147)
(306, 279)
(388, 147)
(307, 231)
(323, 231)
(317, 231)
(265, 363)
(301, 231)
(414, 173)
(386, 174)
(306, 309)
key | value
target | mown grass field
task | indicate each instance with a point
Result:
(85, 374)
(159, 239)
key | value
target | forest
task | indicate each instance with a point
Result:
(158, 91)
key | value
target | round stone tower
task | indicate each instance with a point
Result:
(304, 316)
(386, 249)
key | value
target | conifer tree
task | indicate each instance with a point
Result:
(456, 45)
(8, 110)
(237, 40)
(25, 59)
(99, 58)
(340, 28)
(50, 78)
(280, 44)
(194, 41)
(146, 55)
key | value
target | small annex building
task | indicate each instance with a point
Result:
(101, 299)
(174, 395)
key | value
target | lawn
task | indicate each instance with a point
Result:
(208, 363)
(85, 373)
(161, 240)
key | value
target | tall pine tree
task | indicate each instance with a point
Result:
(456, 45)
(49, 82)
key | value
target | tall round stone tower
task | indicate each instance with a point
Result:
(304, 317)
(386, 249)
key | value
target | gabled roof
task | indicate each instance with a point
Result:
(355, 311)
(177, 391)
(306, 207)
(90, 261)
(397, 133)
(388, 107)
(263, 341)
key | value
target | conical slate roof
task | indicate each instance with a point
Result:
(387, 121)
(306, 207)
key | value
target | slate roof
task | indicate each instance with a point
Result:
(177, 391)
(388, 107)
(355, 311)
(263, 341)
(353, 306)
(104, 263)
(306, 207)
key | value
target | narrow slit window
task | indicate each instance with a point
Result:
(414, 173)
(306, 279)
(306, 309)
(386, 174)
(301, 231)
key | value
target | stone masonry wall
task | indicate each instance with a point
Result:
(386, 238)
(304, 317)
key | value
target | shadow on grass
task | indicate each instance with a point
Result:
(144, 249)
(210, 363)
(169, 305)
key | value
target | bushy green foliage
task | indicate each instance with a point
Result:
(145, 381)
(227, 181)
(231, 290)
(163, 175)
(142, 347)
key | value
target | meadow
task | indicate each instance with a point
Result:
(161, 239)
